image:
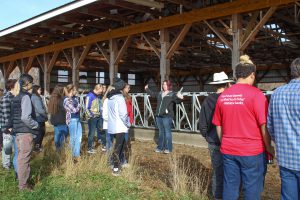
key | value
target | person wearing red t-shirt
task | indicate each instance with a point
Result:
(240, 119)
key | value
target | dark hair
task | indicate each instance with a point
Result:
(245, 67)
(295, 68)
(25, 79)
(10, 84)
(223, 85)
(35, 89)
(169, 84)
(55, 99)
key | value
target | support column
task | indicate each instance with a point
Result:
(113, 66)
(75, 67)
(46, 71)
(47, 62)
(236, 31)
(164, 61)
(22, 67)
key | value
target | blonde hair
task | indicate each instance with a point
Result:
(98, 86)
(68, 89)
(245, 59)
(16, 89)
(109, 88)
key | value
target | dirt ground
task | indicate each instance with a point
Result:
(155, 171)
(155, 167)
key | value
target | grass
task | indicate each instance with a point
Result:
(54, 176)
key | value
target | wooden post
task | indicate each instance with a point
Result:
(75, 67)
(236, 30)
(164, 61)
(46, 74)
(113, 67)
(22, 67)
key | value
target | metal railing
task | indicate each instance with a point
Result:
(187, 113)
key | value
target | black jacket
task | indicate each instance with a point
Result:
(165, 105)
(59, 118)
(21, 122)
(207, 129)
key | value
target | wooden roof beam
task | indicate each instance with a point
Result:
(150, 43)
(100, 14)
(103, 52)
(175, 44)
(123, 49)
(219, 34)
(132, 6)
(253, 33)
(29, 64)
(212, 12)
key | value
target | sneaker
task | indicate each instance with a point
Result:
(91, 151)
(6, 168)
(103, 148)
(116, 172)
(167, 151)
(157, 150)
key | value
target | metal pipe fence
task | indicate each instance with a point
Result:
(187, 113)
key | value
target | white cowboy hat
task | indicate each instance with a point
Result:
(220, 78)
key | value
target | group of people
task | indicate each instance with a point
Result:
(239, 123)
(23, 116)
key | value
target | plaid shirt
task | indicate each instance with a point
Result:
(284, 124)
(5, 107)
(71, 106)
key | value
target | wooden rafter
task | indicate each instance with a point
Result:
(219, 34)
(29, 64)
(212, 12)
(257, 28)
(53, 60)
(153, 47)
(175, 44)
(250, 25)
(123, 49)
(103, 52)
(83, 55)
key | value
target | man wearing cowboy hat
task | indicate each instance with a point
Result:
(208, 131)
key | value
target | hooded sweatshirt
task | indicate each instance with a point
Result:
(118, 121)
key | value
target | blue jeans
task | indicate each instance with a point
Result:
(164, 125)
(75, 136)
(246, 169)
(217, 167)
(6, 155)
(95, 123)
(60, 133)
(290, 184)
(109, 140)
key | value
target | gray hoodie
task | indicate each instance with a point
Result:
(39, 108)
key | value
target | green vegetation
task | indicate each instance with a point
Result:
(56, 177)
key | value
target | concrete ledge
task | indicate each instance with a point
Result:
(185, 138)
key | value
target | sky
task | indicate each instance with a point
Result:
(16, 11)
